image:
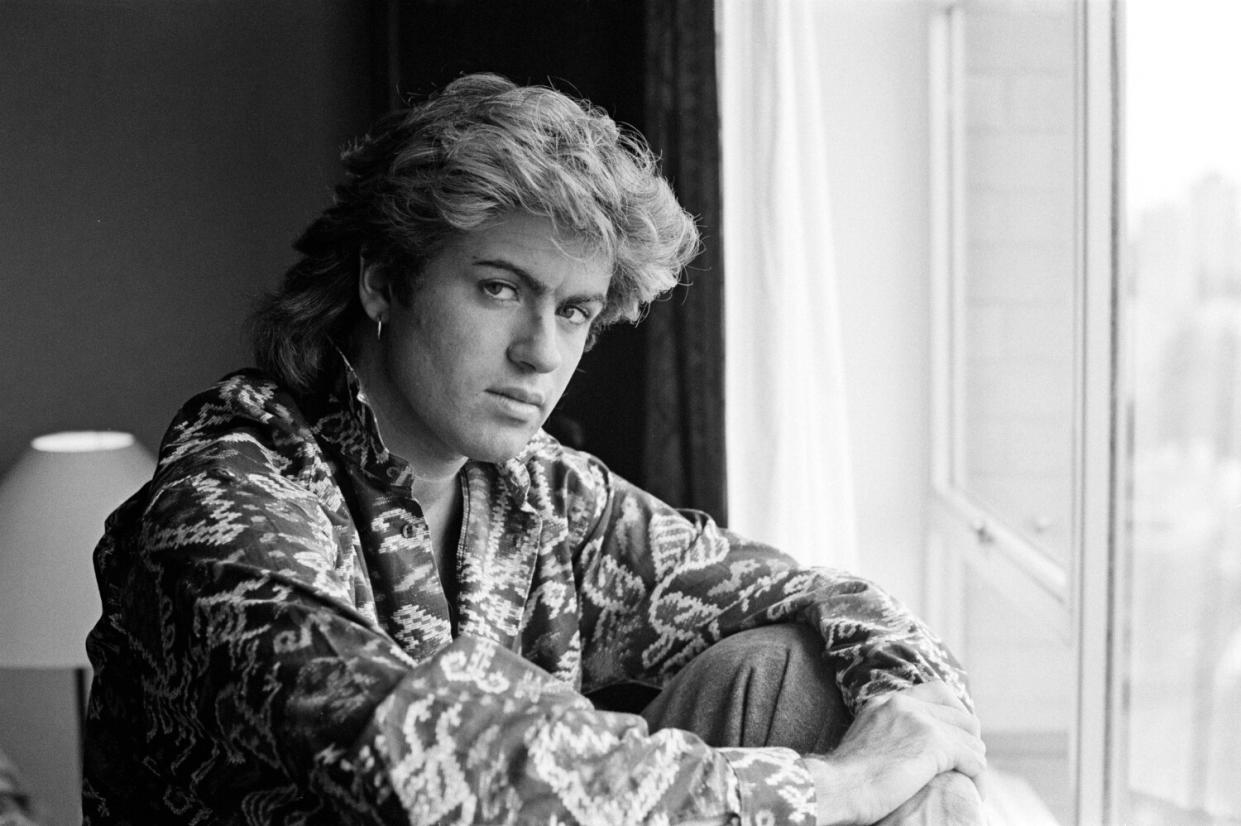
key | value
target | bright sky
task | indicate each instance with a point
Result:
(1183, 95)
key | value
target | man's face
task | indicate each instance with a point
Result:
(475, 362)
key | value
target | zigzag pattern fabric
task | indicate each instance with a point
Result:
(276, 646)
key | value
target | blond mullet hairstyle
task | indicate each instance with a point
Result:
(477, 151)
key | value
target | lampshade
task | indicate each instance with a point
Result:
(53, 503)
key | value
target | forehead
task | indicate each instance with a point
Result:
(533, 244)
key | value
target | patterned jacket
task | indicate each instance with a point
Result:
(275, 646)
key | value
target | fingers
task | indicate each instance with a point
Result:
(948, 800)
(983, 782)
(899, 742)
(962, 732)
(938, 700)
(929, 720)
(968, 753)
(957, 717)
(944, 704)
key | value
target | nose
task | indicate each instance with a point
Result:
(535, 345)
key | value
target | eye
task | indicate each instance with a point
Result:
(500, 289)
(578, 314)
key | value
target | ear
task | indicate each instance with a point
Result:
(374, 289)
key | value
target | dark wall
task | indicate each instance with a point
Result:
(156, 161)
(593, 49)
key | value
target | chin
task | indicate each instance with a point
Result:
(500, 450)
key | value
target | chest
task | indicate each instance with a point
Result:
(443, 520)
(487, 567)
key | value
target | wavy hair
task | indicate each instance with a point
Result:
(479, 149)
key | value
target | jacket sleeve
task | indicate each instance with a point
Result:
(233, 656)
(660, 585)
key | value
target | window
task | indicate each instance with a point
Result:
(1088, 468)
(1018, 554)
(1179, 618)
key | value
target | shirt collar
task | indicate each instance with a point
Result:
(348, 421)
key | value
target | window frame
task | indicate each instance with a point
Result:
(1078, 602)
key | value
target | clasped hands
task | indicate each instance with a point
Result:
(911, 757)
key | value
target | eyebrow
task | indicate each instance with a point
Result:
(532, 282)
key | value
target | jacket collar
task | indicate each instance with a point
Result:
(346, 420)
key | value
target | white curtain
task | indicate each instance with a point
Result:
(789, 471)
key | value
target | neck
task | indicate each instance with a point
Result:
(433, 492)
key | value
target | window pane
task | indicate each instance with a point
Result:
(1022, 677)
(1014, 263)
(1182, 270)
(1017, 301)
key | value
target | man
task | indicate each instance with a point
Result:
(365, 586)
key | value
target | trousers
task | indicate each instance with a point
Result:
(770, 686)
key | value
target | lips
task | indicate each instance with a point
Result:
(522, 395)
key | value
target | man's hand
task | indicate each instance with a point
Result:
(894, 748)
(950, 798)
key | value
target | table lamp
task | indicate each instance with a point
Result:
(53, 503)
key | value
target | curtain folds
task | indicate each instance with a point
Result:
(790, 470)
(683, 440)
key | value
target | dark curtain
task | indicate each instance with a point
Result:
(683, 444)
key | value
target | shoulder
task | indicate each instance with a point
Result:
(240, 457)
(244, 420)
(245, 398)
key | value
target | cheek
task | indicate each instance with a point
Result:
(442, 345)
